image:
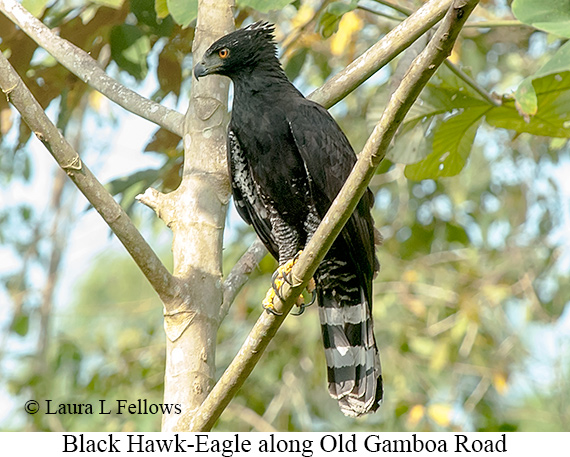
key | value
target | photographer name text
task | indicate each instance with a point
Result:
(140, 406)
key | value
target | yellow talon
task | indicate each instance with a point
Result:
(282, 275)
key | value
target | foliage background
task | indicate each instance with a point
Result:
(471, 305)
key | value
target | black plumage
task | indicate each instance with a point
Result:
(288, 159)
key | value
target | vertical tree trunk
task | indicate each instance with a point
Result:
(196, 214)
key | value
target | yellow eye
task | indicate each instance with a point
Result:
(224, 53)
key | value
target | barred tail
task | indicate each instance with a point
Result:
(353, 362)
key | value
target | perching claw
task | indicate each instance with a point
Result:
(311, 288)
(280, 276)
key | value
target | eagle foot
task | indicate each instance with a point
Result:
(283, 275)
(280, 276)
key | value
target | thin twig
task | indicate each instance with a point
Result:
(64, 154)
(396, 41)
(380, 13)
(239, 275)
(88, 70)
(374, 151)
(395, 6)
(293, 37)
(472, 83)
(472, 24)
(497, 23)
(477, 394)
(454, 68)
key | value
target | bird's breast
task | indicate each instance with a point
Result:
(274, 163)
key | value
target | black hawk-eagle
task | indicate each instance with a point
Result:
(288, 159)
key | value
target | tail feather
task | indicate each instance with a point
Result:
(353, 362)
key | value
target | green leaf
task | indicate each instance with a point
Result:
(129, 49)
(148, 19)
(35, 7)
(21, 324)
(120, 185)
(446, 79)
(183, 11)
(552, 16)
(26, 212)
(525, 98)
(456, 234)
(161, 8)
(263, 6)
(110, 3)
(329, 20)
(552, 116)
(453, 138)
(451, 146)
(323, 64)
(68, 354)
(130, 186)
(414, 140)
(525, 95)
(295, 64)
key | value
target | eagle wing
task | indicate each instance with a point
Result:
(246, 195)
(329, 159)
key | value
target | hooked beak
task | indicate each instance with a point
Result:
(200, 70)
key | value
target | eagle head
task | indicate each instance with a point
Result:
(240, 52)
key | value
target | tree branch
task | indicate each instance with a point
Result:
(374, 151)
(239, 275)
(397, 40)
(88, 70)
(64, 154)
